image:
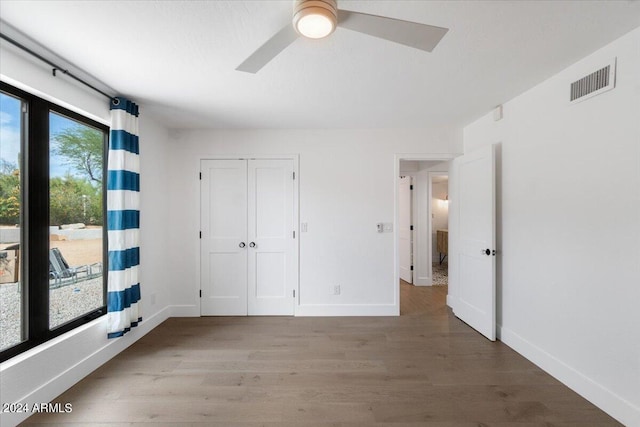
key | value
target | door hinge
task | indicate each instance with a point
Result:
(294, 175)
(294, 293)
(201, 234)
(201, 176)
(412, 268)
(200, 293)
(294, 234)
(411, 187)
(411, 227)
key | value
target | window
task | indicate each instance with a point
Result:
(52, 210)
(11, 301)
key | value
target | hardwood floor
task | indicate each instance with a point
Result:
(422, 300)
(425, 368)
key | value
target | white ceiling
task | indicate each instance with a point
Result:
(178, 58)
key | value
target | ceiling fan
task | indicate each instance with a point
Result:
(316, 19)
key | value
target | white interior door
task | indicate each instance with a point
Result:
(223, 242)
(475, 249)
(405, 244)
(272, 275)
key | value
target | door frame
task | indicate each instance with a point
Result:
(396, 214)
(296, 216)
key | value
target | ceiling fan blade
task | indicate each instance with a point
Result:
(420, 36)
(269, 50)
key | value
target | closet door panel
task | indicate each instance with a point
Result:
(271, 241)
(224, 237)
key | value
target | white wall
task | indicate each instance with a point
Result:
(409, 167)
(42, 373)
(346, 183)
(569, 240)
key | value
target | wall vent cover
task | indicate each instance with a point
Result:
(594, 84)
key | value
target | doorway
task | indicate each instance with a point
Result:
(426, 209)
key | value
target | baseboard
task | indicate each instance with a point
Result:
(51, 389)
(312, 310)
(614, 405)
(185, 311)
(422, 281)
(450, 301)
(330, 310)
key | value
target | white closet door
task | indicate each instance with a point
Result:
(271, 247)
(224, 244)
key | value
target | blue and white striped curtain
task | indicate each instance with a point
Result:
(123, 219)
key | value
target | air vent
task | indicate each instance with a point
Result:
(595, 83)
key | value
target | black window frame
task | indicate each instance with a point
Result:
(34, 229)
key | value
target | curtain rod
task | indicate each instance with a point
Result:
(55, 68)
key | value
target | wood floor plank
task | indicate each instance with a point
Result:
(424, 368)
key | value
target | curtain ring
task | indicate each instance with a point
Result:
(115, 101)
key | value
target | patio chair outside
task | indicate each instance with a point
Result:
(60, 273)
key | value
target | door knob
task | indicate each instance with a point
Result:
(486, 252)
(252, 245)
(242, 245)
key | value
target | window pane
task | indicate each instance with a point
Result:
(11, 291)
(76, 219)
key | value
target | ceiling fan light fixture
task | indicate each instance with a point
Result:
(319, 18)
(315, 19)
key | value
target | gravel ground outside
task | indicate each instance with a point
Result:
(66, 303)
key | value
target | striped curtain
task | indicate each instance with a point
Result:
(123, 219)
